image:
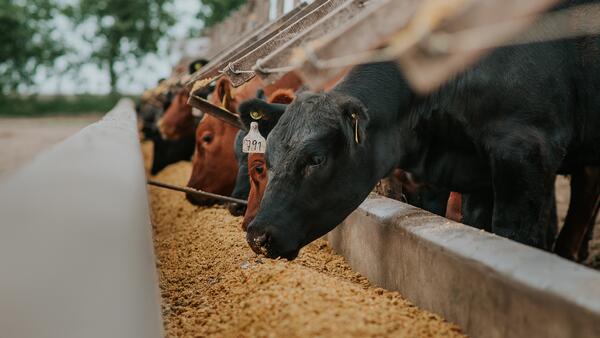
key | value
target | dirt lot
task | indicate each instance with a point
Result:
(22, 138)
(212, 284)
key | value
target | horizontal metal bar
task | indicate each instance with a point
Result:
(277, 63)
(242, 47)
(196, 192)
(245, 63)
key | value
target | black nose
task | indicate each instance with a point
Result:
(236, 209)
(200, 201)
(258, 240)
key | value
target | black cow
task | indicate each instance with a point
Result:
(499, 133)
(242, 181)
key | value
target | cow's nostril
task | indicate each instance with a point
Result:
(258, 240)
(261, 240)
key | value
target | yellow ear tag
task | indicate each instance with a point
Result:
(197, 66)
(355, 120)
(224, 102)
(256, 115)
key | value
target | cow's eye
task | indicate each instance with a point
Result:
(316, 160)
(259, 169)
(207, 138)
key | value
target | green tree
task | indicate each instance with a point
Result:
(123, 29)
(214, 11)
(27, 41)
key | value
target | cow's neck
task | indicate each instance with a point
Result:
(384, 92)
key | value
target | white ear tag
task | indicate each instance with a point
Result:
(196, 112)
(254, 142)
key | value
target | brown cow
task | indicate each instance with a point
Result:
(214, 166)
(257, 168)
(257, 171)
(178, 121)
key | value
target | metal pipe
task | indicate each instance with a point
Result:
(196, 192)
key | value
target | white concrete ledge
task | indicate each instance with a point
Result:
(76, 254)
(489, 285)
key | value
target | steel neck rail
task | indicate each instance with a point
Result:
(196, 192)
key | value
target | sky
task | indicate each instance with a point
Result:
(92, 79)
(134, 79)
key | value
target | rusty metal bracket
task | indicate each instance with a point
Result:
(248, 44)
(277, 63)
(244, 64)
(216, 111)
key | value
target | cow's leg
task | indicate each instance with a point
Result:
(553, 223)
(523, 176)
(435, 200)
(477, 209)
(584, 249)
(583, 208)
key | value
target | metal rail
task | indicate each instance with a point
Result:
(196, 192)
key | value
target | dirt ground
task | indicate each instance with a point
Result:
(212, 284)
(23, 138)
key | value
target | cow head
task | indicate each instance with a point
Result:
(257, 172)
(266, 115)
(178, 121)
(214, 166)
(321, 165)
(242, 183)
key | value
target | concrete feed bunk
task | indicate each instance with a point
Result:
(76, 260)
(212, 284)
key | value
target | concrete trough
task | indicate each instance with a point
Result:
(489, 285)
(76, 252)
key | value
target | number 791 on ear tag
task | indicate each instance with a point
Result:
(254, 142)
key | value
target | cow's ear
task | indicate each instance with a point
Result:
(273, 113)
(355, 118)
(223, 91)
(260, 93)
(196, 65)
(250, 111)
(283, 96)
(265, 114)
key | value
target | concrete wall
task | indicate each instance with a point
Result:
(490, 286)
(76, 255)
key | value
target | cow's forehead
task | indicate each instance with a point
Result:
(309, 120)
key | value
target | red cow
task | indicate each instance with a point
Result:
(178, 121)
(214, 166)
(257, 167)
